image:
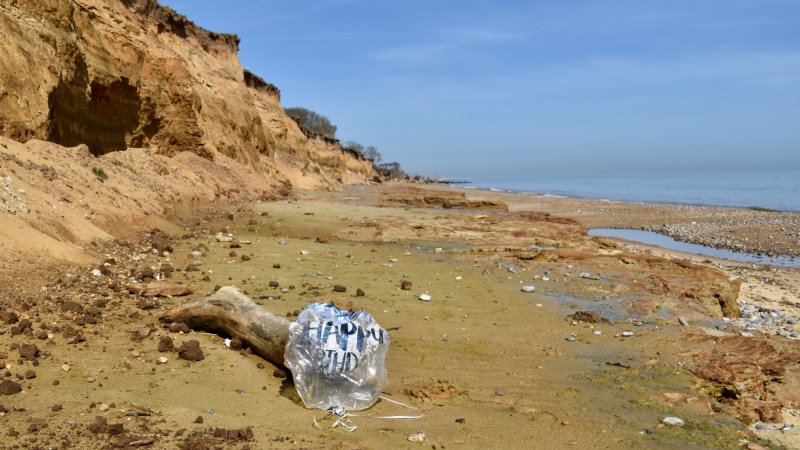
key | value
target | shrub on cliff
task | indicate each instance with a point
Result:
(312, 121)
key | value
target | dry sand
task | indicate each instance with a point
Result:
(488, 365)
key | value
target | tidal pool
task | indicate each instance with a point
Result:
(659, 240)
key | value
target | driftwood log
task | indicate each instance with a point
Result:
(230, 312)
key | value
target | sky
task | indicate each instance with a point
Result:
(465, 88)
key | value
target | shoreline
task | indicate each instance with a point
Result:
(749, 230)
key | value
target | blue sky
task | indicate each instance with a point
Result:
(465, 88)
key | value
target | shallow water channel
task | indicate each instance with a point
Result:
(659, 240)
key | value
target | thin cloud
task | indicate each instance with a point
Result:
(445, 45)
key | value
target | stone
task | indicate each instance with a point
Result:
(28, 351)
(425, 297)
(179, 327)
(162, 290)
(165, 344)
(528, 288)
(339, 288)
(190, 351)
(360, 292)
(406, 285)
(8, 387)
(587, 316)
(674, 421)
(141, 334)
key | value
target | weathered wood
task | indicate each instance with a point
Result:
(230, 312)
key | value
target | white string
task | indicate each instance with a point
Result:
(397, 403)
(343, 417)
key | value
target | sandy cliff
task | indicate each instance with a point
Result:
(132, 74)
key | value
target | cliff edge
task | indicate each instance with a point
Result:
(121, 74)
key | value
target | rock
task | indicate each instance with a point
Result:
(683, 321)
(278, 373)
(236, 344)
(339, 288)
(406, 285)
(165, 344)
(190, 351)
(100, 425)
(141, 334)
(425, 297)
(587, 316)
(8, 387)
(754, 446)
(500, 391)
(162, 360)
(627, 333)
(179, 327)
(245, 258)
(9, 317)
(30, 374)
(416, 437)
(273, 284)
(360, 292)
(528, 288)
(161, 290)
(28, 351)
(674, 421)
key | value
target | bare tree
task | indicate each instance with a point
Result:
(312, 121)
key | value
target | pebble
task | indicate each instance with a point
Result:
(103, 407)
(627, 333)
(597, 332)
(8, 387)
(425, 297)
(683, 321)
(528, 288)
(65, 367)
(674, 421)
(571, 338)
(500, 391)
(162, 360)
(417, 437)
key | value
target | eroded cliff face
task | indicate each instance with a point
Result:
(124, 74)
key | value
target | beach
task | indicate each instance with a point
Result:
(614, 339)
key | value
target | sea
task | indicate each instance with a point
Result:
(769, 189)
(772, 189)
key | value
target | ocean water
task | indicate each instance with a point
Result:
(773, 189)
